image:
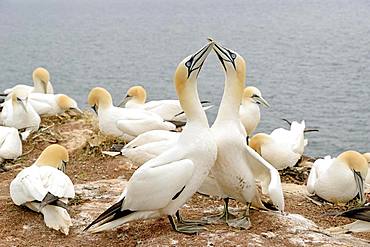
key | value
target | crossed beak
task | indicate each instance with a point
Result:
(224, 55)
(197, 60)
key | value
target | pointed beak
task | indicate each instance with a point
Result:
(22, 102)
(261, 100)
(77, 110)
(224, 55)
(199, 57)
(64, 166)
(44, 86)
(124, 101)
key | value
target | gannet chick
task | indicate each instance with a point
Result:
(52, 104)
(167, 109)
(282, 148)
(249, 111)
(149, 145)
(44, 188)
(123, 122)
(339, 180)
(237, 165)
(163, 184)
(17, 112)
(41, 83)
(10, 144)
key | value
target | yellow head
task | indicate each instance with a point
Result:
(137, 94)
(254, 95)
(66, 103)
(355, 161)
(258, 140)
(99, 97)
(367, 157)
(42, 76)
(19, 97)
(188, 69)
(55, 156)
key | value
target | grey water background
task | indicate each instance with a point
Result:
(310, 59)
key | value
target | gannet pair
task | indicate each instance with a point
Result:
(341, 179)
(123, 122)
(41, 83)
(167, 109)
(151, 144)
(10, 144)
(17, 112)
(162, 185)
(282, 148)
(45, 188)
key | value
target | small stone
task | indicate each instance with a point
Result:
(268, 235)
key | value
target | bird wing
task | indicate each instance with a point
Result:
(153, 186)
(57, 182)
(152, 136)
(136, 126)
(267, 174)
(40, 102)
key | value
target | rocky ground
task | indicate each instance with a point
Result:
(99, 179)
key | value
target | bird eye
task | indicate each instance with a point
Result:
(232, 55)
(188, 64)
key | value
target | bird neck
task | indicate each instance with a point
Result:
(190, 103)
(229, 107)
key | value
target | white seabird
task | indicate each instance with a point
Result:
(237, 165)
(167, 109)
(282, 148)
(17, 112)
(123, 122)
(162, 185)
(41, 83)
(43, 187)
(249, 111)
(10, 144)
(52, 104)
(339, 180)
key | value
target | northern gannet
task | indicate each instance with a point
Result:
(249, 111)
(339, 180)
(17, 112)
(45, 188)
(123, 122)
(52, 104)
(41, 83)
(167, 109)
(282, 148)
(237, 165)
(10, 144)
(162, 185)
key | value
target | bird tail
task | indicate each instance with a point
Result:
(57, 218)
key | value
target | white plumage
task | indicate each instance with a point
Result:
(17, 112)
(282, 148)
(41, 83)
(124, 122)
(10, 143)
(32, 185)
(52, 104)
(162, 185)
(334, 179)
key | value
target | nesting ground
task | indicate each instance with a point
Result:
(99, 179)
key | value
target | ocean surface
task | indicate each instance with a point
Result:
(310, 59)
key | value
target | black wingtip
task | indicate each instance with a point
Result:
(177, 123)
(286, 120)
(361, 213)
